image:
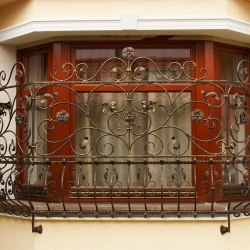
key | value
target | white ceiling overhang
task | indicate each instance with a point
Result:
(129, 24)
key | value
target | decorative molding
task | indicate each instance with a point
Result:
(126, 22)
(195, 24)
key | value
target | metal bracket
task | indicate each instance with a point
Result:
(38, 229)
(224, 229)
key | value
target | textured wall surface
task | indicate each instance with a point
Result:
(15, 234)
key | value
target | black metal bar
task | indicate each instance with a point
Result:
(94, 183)
(145, 180)
(108, 162)
(162, 205)
(62, 186)
(46, 186)
(212, 188)
(36, 229)
(227, 229)
(78, 195)
(195, 187)
(128, 187)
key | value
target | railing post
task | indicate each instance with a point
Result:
(38, 229)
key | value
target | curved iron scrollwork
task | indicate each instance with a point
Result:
(129, 137)
(131, 68)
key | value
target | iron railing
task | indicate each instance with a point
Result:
(137, 140)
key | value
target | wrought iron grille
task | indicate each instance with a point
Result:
(140, 141)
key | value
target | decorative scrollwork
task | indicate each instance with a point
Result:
(197, 115)
(20, 119)
(243, 71)
(18, 69)
(128, 53)
(3, 107)
(62, 116)
(131, 68)
(109, 107)
(111, 177)
(244, 117)
(148, 106)
(144, 177)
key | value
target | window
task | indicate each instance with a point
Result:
(138, 130)
(236, 114)
(131, 121)
(32, 109)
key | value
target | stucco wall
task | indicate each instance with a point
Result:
(7, 60)
(25, 21)
(26, 10)
(15, 234)
(7, 57)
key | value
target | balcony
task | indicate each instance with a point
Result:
(129, 140)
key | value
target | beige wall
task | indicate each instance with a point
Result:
(15, 234)
(7, 58)
(26, 21)
(27, 10)
(238, 9)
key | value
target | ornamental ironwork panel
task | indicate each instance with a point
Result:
(141, 141)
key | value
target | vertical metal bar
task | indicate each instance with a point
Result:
(212, 188)
(224, 229)
(128, 185)
(94, 183)
(178, 189)
(144, 189)
(111, 186)
(227, 229)
(195, 188)
(33, 133)
(28, 184)
(46, 186)
(78, 193)
(162, 207)
(129, 143)
(38, 229)
(62, 186)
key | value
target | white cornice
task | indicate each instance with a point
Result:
(136, 24)
(195, 24)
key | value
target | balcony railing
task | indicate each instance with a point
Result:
(140, 141)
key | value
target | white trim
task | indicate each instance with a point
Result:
(140, 24)
(195, 24)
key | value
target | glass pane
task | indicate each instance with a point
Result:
(234, 132)
(167, 54)
(36, 67)
(228, 64)
(234, 135)
(37, 174)
(94, 58)
(116, 126)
